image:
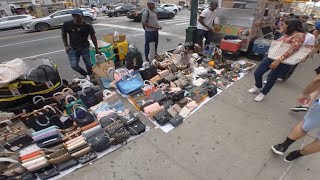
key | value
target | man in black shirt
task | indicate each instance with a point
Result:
(78, 32)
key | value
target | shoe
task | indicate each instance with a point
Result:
(260, 97)
(300, 109)
(292, 156)
(264, 82)
(280, 79)
(254, 90)
(279, 149)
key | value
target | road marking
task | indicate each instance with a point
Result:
(174, 22)
(182, 23)
(141, 30)
(24, 42)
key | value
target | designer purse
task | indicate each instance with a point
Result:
(19, 142)
(58, 156)
(87, 95)
(148, 88)
(69, 106)
(82, 116)
(148, 73)
(128, 83)
(152, 109)
(136, 128)
(176, 120)
(128, 118)
(117, 132)
(162, 117)
(106, 120)
(99, 142)
(157, 96)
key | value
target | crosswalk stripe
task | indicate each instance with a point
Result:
(182, 23)
(174, 22)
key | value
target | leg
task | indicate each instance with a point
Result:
(311, 148)
(74, 58)
(156, 40)
(297, 131)
(208, 37)
(314, 96)
(146, 45)
(201, 34)
(86, 58)
(262, 68)
(273, 76)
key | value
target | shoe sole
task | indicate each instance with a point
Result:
(276, 151)
(285, 160)
(299, 110)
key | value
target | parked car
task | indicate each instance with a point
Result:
(121, 10)
(161, 13)
(170, 7)
(10, 22)
(180, 7)
(56, 19)
(93, 11)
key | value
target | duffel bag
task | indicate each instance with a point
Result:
(12, 89)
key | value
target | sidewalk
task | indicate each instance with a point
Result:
(227, 139)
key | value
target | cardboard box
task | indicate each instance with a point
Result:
(113, 40)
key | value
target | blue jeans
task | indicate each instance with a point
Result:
(150, 36)
(74, 58)
(272, 77)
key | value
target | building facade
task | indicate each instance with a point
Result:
(5, 9)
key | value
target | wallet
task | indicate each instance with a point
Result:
(67, 165)
(87, 157)
(176, 120)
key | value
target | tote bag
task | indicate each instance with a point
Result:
(277, 49)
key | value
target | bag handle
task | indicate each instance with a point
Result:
(3, 159)
(74, 110)
(49, 107)
(57, 94)
(169, 55)
(84, 88)
(70, 96)
(65, 90)
(106, 92)
(37, 99)
(102, 54)
(76, 80)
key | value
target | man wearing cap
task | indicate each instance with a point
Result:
(78, 45)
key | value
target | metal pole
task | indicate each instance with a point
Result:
(191, 32)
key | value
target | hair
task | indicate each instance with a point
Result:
(305, 27)
(293, 25)
(214, 3)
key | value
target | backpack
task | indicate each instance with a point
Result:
(147, 19)
(134, 58)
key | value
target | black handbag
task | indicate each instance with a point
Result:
(168, 103)
(67, 165)
(25, 176)
(157, 96)
(87, 158)
(128, 119)
(177, 96)
(176, 120)
(136, 128)
(162, 117)
(40, 101)
(50, 143)
(99, 142)
(47, 173)
(87, 95)
(148, 73)
(82, 117)
(17, 143)
(106, 120)
(212, 91)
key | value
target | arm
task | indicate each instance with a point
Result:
(304, 97)
(297, 42)
(201, 22)
(64, 36)
(94, 39)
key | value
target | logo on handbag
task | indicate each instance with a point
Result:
(49, 84)
(15, 92)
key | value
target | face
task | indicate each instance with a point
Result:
(151, 6)
(284, 27)
(77, 18)
(213, 6)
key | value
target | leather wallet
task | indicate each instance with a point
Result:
(87, 157)
(67, 165)
(47, 173)
(176, 120)
(136, 128)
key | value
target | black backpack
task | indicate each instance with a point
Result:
(134, 58)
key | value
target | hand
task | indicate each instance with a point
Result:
(67, 49)
(159, 27)
(274, 64)
(210, 29)
(304, 99)
(98, 51)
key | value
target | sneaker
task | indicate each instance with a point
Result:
(292, 156)
(254, 90)
(279, 149)
(300, 109)
(280, 79)
(260, 97)
(264, 82)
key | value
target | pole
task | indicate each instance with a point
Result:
(191, 32)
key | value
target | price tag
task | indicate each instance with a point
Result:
(15, 92)
(49, 84)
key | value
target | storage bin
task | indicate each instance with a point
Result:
(107, 50)
(121, 49)
(261, 46)
(230, 46)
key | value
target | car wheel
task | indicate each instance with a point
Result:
(42, 27)
(171, 16)
(175, 11)
(88, 20)
(118, 14)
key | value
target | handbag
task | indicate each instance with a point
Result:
(36, 164)
(185, 111)
(106, 120)
(40, 101)
(50, 143)
(118, 106)
(152, 109)
(47, 173)
(148, 73)
(110, 97)
(129, 84)
(67, 164)
(69, 106)
(99, 142)
(157, 96)
(278, 48)
(212, 91)
(12, 167)
(101, 69)
(191, 105)
(164, 73)
(168, 104)
(162, 117)
(91, 132)
(117, 132)
(177, 96)
(170, 78)
(128, 118)
(17, 143)
(89, 126)
(87, 157)
(182, 102)
(87, 95)
(58, 156)
(102, 106)
(155, 79)
(82, 116)
(25, 176)
(176, 120)
(148, 88)
(136, 128)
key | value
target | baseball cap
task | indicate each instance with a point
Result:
(77, 12)
(317, 25)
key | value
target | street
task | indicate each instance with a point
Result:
(20, 44)
(229, 138)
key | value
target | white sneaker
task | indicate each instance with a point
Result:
(254, 90)
(260, 97)
(265, 82)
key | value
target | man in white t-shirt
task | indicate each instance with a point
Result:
(205, 23)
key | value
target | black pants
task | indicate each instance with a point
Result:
(201, 34)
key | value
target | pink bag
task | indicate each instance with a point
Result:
(164, 73)
(191, 105)
(152, 109)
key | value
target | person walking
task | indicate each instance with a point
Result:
(205, 23)
(310, 122)
(78, 32)
(151, 26)
(294, 36)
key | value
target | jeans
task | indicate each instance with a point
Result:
(272, 77)
(74, 58)
(201, 34)
(150, 36)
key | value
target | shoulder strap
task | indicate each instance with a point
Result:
(147, 15)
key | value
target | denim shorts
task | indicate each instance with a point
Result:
(312, 118)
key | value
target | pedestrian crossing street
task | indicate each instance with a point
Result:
(176, 21)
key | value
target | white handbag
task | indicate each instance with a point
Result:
(277, 49)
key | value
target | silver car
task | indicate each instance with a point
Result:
(56, 19)
(10, 22)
